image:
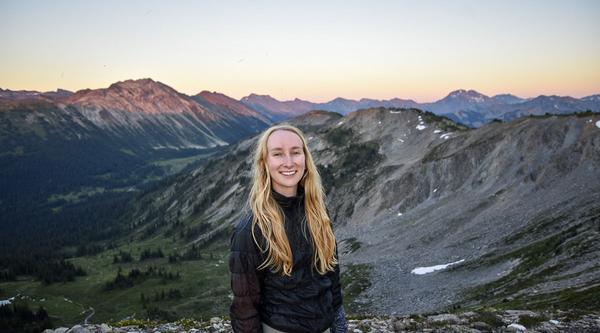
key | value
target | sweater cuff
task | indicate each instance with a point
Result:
(340, 324)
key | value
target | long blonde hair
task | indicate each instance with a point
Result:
(269, 217)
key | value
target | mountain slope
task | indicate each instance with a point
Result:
(126, 126)
(161, 116)
(511, 206)
(237, 117)
(408, 189)
(64, 150)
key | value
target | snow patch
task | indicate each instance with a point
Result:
(421, 127)
(437, 131)
(341, 122)
(401, 140)
(598, 124)
(6, 301)
(399, 214)
(431, 269)
(519, 328)
(434, 190)
(172, 205)
(391, 111)
(445, 136)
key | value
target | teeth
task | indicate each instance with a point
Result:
(288, 173)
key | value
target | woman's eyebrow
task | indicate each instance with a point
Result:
(278, 148)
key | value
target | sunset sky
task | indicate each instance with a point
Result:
(311, 50)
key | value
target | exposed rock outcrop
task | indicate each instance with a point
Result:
(467, 322)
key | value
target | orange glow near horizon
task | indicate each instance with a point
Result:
(395, 49)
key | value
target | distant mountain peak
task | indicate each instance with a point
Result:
(466, 93)
(506, 96)
(211, 93)
(341, 99)
(595, 98)
(507, 99)
(464, 96)
(143, 84)
(256, 97)
(143, 95)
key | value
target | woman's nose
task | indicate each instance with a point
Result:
(289, 161)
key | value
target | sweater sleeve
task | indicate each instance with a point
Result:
(245, 281)
(336, 283)
(339, 324)
(335, 275)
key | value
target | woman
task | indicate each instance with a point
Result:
(284, 268)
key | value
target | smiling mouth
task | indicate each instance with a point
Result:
(288, 173)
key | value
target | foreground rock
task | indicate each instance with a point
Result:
(474, 322)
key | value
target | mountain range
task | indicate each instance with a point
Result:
(504, 214)
(468, 107)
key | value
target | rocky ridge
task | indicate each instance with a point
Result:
(466, 322)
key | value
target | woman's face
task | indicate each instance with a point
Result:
(286, 161)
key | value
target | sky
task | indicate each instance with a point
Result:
(312, 50)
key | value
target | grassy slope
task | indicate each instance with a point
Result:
(204, 285)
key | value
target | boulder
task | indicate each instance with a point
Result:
(516, 328)
(104, 328)
(444, 318)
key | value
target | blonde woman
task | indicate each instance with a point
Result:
(284, 267)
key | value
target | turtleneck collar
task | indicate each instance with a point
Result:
(284, 201)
